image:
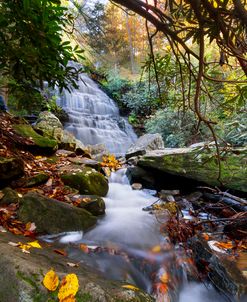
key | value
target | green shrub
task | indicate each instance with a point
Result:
(177, 129)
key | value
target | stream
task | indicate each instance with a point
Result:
(127, 245)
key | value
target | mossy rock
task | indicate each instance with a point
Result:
(87, 181)
(10, 196)
(10, 168)
(201, 164)
(43, 144)
(93, 204)
(36, 180)
(51, 216)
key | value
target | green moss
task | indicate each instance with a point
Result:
(28, 132)
(88, 181)
(202, 165)
(36, 180)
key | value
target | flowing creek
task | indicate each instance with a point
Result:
(127, 245)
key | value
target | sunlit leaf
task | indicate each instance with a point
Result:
(51, 280)
(129, 286)
(69, 287)
(35, 244)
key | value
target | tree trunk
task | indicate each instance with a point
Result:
(131, 49)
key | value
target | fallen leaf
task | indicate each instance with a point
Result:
(2, 230)
(13, 243)
(224, 245)
(69, 299)
(35, 244)
(70, 264)
(30, 226)
(49, 182)
(1, 194)
(84, 248)
(51, 280)
(156, 249)
(60, 252)
(129, 286)
(69, 287)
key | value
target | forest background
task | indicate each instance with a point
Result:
(150, 75)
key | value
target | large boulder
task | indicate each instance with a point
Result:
(145, 143)
(200, 163)
(10, 168)
(49, 126)
(40, 143)
(51, 216)
(86, 180)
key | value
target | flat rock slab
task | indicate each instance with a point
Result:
(200, 163)
(24, 275)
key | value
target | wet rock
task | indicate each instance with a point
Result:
(92, 203)
(51, 216)
(200, 164)
(36, 180)
(87, 181)
(85, 161)
(139, 175)
(41, 144)
(65, 153)
(9, 196)
(170, 192)
(10, 168)
(24, 275)
(97, 151)
(223, 273)
(49, 126)
(136, 186)
(145, 143)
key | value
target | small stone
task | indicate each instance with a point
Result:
(136, 186)
(170, 192)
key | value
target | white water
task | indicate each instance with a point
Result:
(125, 222)
(94, 118)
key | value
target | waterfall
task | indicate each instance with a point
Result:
(94, 118)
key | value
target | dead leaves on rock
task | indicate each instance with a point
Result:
(68, 289)
(110, 162)
(25, 247)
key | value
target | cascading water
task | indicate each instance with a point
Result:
(126, 244)
(94, 118)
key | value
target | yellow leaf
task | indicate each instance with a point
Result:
(129, 286)
(51, 280)
(35, 244)
(156, 249)
(69, 287)
(69, 299)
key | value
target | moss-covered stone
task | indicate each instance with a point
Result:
(87, 181)
(201, 164)
(10, 196)
(51, 216)
(93, 204)
(10, 168)
(36, 180)
(41, 143)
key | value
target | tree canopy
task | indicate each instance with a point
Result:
(33, 49)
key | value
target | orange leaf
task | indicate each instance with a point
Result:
(84, 248)
(224, 245)
(60, 252)
(51, 280)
